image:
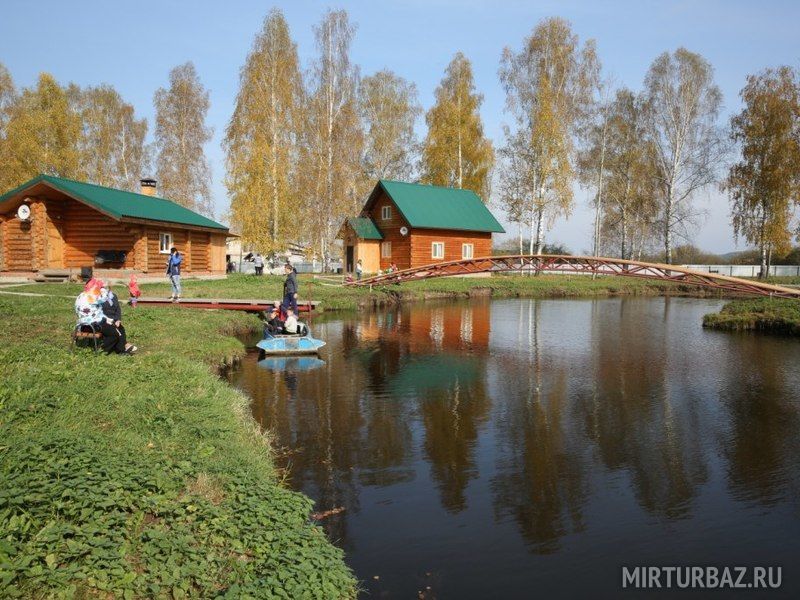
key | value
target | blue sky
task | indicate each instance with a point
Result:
(133, 45)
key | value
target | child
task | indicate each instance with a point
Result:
(134, 291)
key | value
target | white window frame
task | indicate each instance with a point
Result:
(465, 253)
(434, 246)
(386, 213)
(162, 247)
(386, 249)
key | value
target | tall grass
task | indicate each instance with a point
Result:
(144, 476)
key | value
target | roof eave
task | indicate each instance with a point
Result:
(145, 221)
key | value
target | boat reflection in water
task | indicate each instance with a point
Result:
(292, 364)
(494, 448)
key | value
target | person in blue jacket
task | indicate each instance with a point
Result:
(174, 273)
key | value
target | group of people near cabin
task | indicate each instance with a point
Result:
(98, 308)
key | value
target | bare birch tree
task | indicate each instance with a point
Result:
(182, 169)
(683, 105)
(333, 136)
(262, 140)
(548, 87)
(389, 110)
(630, 208)
(591, 161)
(112, 144)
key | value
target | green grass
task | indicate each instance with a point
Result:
(145, 476)
(334, 297)
(761, 314)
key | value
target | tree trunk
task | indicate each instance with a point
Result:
(624, 220)
(668, 229)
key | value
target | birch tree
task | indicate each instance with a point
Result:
(455, 152)
(182, 169)
(389, 110)
(765, 182)
(548, 87)
(683, 105)
(591, 161)
(262, 139)
(8, 97)
(629, 206)
(333, 137)
(514, 182)
(112, 143)
(42, 133)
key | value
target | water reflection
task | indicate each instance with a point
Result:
(528, 426)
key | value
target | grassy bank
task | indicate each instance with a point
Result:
(759, 314)
(144, 476)
(335, 297)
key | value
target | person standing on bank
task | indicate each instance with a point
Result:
(290, 288)
(258, 261)
(359, 270)
(174, 273)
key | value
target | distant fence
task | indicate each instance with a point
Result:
(747, 270)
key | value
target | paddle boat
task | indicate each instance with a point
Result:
(280, 344)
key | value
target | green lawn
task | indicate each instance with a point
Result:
(335, 297)
(781, 315)
(144, 476)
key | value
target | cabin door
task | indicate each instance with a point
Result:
(349, 260)
(55, 246)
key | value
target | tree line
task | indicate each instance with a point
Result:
(92, 134)
(304, 146)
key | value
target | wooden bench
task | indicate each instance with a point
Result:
(84, 333)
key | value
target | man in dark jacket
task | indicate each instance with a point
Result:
(290, 288)
(114, 337)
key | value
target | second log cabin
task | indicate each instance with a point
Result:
(411, 225)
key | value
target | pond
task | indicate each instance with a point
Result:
(512, 448)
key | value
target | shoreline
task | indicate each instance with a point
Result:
(767, 315)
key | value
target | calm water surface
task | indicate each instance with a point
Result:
(529, 448)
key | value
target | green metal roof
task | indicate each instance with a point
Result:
(437, 207)
(365, 228)
(119, 203)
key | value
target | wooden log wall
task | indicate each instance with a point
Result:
(199, 250)
(87, 231)
(17, 244)
(390, 229)
(422, 245)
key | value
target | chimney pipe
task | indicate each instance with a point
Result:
(148, 186)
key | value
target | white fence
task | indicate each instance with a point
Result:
(747, 270)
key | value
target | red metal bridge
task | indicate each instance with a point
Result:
(556, 263)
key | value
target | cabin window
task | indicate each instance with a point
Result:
(437, 250)
(386, 212)
(386, 249)
(164, 242)
(467, 251)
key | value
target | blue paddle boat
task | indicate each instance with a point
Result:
(303, 342)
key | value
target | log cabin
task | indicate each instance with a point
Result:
(411, 225)
(51, 223)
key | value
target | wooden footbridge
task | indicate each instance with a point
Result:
(251, 306)
(594, 265)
